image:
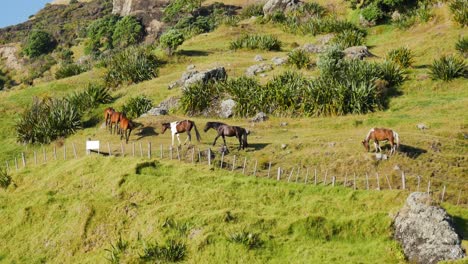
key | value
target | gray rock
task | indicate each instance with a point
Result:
(313, 48)
(258, 68)
(260, 117)
(396, 16)
(279, 61)
(284, 146)
(227, 108)
(170, 103)
(357, 52)
(258, 58)
(191, 67)
(380, 156)
(157, 111)
(325, 39)
(421, 126)
(366, 23)
(426, 232)
(216, 74)
(272, 6)
(283, 124)
(8, 53)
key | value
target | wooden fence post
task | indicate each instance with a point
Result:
(222, 159)
(74, 150)
(193, 155)
(255, 169)
(170, 152)
(278, 176)
(35, 158)
(199, 156)
(55, 152)
(346, 179)
(298, 172)
(333, 181)
(64, 152)
(388, 182)
(133, 149)
(443, 195)
(16, 163)
(122, 150)
(367, 181)
(149, 149)
(234, 163)
(403, 180)
(307, 176)
(109, 149)
(161, 150)
(325, 179)
(378, 181)
(290, 174)
(269, 168)
(419, 182)
(178, 154)
(209, 156)
(315, 176)
(458, 200)
(245, 163)
(354, 181)
(7, 165)
(24, 159)
(141, 150)
(429, 186)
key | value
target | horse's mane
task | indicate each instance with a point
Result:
(369, 134)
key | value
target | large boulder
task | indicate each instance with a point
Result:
(357, 52)
(426, 232)
(150, 12)
(12, 60)
(272, 6)
(227, 108)
(259, 117)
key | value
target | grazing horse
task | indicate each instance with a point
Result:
(126, 125)
(115, 119)
(377, 134)
(107, 114)
(225, 130)
(180, 127)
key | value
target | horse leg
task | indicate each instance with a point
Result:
(376, 146)
(172, 139)
(224, 139)
(189, 138)
(240, 141)
(129, 132)
(178, 138)
(216, 138)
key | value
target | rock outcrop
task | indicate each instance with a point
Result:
(258, 68)
(227, 108)
(357, 52)
(426, 232)
(150, 13)
(192, 76)
(272, 6)
(9, 54)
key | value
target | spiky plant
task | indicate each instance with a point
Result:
(462, 46)
(5, 178)
(402, 56)
(299, 58)
(447, 68)
(137, 106)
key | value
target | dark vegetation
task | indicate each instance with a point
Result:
(401, 56)
(260, 42)
(136, 106)
(38, 43)
(69, 69)
(447, 68)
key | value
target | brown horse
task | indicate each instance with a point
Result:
(126, 125)
(115, 120)
(180, 127)
(377, 134)
(107, 114)
(225, 130)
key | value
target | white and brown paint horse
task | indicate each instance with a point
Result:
(379, 134)
(178, 127)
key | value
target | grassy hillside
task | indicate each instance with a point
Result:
(77, 210)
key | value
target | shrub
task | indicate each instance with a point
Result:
(246, 91)
(252, 10)
(128, 31)
(197, 97)
(38, 43)
(424, 11)
(299, 58)
(5, 80)
(447, 68)
(47, 120)
(171, 251)
(100, 34)
(69, 69)
(372, 13)
(261, 42)
(5, 179)
(401, 56)
(248, 239)
(391, 73)
(137, 106)
(459, 9)
(462, 46)
(131, 65)
(405, 21)
(348, 38)
(285, 92)
(171, 40)
(94, 95)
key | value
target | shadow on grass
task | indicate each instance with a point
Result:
(194, 53)
(258, 146)
(422, 66)
(411, 152)
(461, 226)
(91, 122)
(146, 132)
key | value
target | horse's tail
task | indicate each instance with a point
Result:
(196, 132)
(397, 139)
(244, 139)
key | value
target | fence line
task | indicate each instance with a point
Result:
(442, 190)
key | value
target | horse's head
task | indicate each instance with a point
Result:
(366, 144)
(165, 126)
(207, 126)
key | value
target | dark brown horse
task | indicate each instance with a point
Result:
(126, 125)
(114, 121)
(107, 114)
(225, 130)
(181, 127)
(379, 134)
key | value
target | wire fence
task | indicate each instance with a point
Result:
(450, 191)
